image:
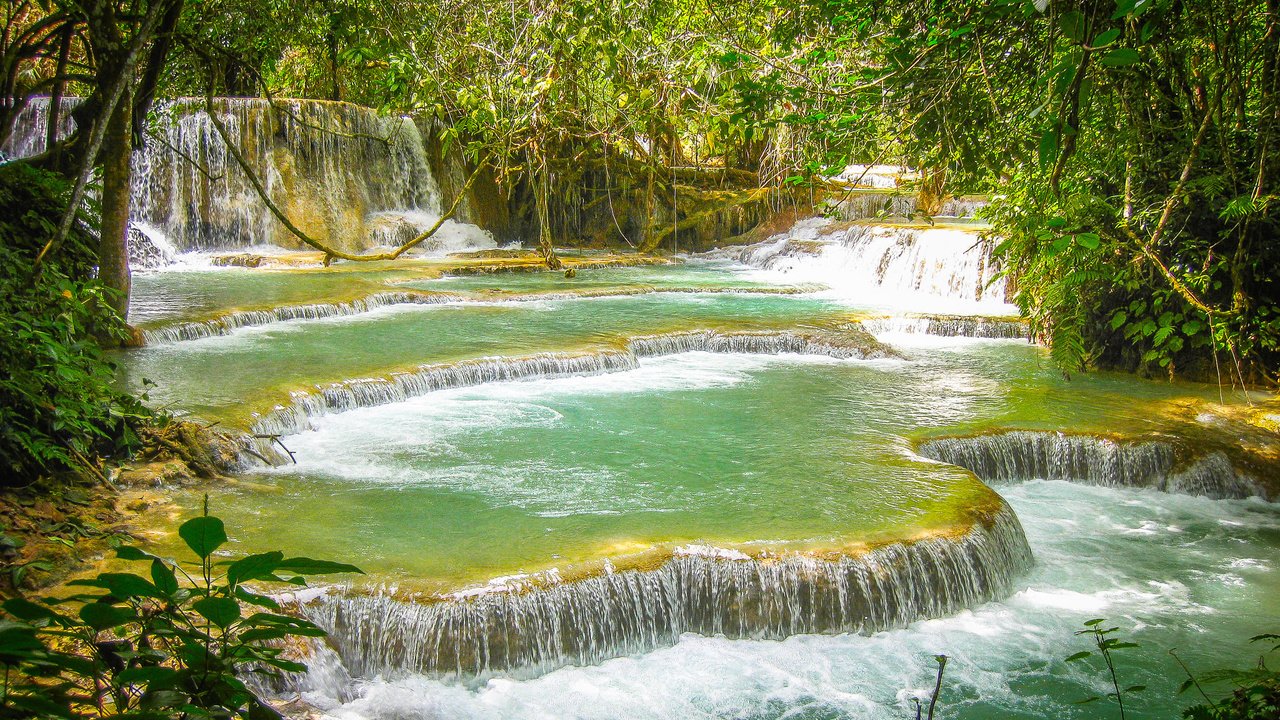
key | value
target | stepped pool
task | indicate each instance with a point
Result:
(703, 491)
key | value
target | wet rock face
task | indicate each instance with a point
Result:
(1026, 455)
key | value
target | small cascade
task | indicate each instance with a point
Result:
(230, 322)
(345, 174)
(227, 323)
(864, 205)
(149, 249)
(949, 326)
(528, 631)
(369, 392)
(884, 263)
(1027, 455)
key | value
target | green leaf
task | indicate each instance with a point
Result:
(307, 566)
(1120, 57)
(1073, 25)
(1088, 240)
(162, 575)
(28, 611)
(220, 611)
(129, 552)
(1094, 622)
(1135, 688)
(1048, 149)
(1119, 319)
(1079, 656)
(145, 675)
(101, 616)
(1105, 38)
(203, 535)
(254, 567)
(121, 585)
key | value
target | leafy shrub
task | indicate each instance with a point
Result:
(58, 402)
(173, 643)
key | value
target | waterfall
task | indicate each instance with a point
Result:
(884, 263)
(343, 173)
(949, 326)
(31, 128)
(871, 205)
(368, 392)
(1026, 455)
(526, 630)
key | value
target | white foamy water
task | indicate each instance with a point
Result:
(1206, 571)
(945, 270)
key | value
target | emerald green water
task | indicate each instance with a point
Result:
(224, 378)
(166, 297)
(750, 453)
(464, 485)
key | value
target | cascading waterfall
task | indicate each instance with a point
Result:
(1026, 455)
(883, 262)
(864, 205)
(948, 326)
(30, 131)
(368, 392)
(343, 173)
(528, 631)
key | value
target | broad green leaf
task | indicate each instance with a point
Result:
(1088, 240)
(24, 609)
(1106, 38)
(1118, 319)
(254, 567)
(1120, 57)
(1048, 149)
(162, 575)
(203, 535)
(101, 616)
(121, 585)
(148, 675)
(1073, 26)
(1079, 656)
(129, 552)
(220, 611)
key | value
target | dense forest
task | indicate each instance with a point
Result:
(1130, 150)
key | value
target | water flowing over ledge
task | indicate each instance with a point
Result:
(844, 343)
(882, 262)
(950, 326)
(872, 205)
(1026, 455)
(228, 323)
(527, 631)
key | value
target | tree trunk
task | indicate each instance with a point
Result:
(113, 247)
